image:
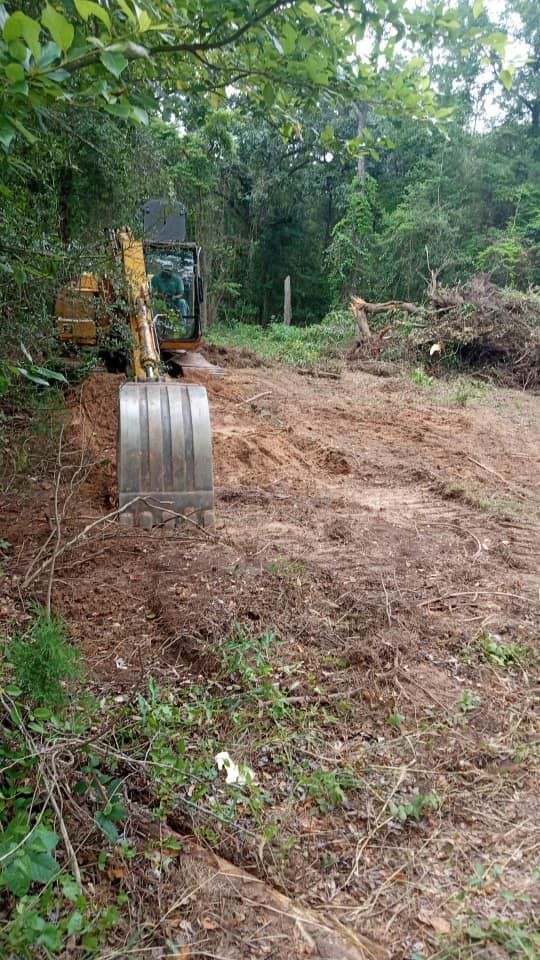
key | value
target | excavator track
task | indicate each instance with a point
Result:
(165, 472)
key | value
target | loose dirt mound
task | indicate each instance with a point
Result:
(94, 429)
(234, 356)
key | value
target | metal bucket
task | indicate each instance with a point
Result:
(165, 472)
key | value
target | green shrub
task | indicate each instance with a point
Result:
(43, 661)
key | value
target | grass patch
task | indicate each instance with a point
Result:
(421, 378)
(285, 568)
(481, 938)
(498, 653)
(470, 391)
(471, 493)
(43, 663)
(300, 346)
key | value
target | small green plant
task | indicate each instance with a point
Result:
(467, 702)
(327, 787)
(421, 378)
(282, 567)
(468, 390)
(468, 492)
(26, 855)
(515, 939)
(395, 720)
(416, 807)
(43, 662)
(494, 651)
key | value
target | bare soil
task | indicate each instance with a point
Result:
(378, 528)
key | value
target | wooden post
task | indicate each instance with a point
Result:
(287, 311)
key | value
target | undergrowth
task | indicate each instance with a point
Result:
(298, 345)
(43, 662)
(249, 758)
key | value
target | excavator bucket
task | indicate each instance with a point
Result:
(165, 455)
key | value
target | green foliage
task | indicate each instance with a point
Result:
(416, 807)
(327, 787)
(285, 568)
(44, 911)
(27, 855)
(10, 371)
(395, 720)
(421, 378)
(468, 702)
(466, 391)
(75, 54)
(296, 345)
(481, 934)
(43, 662)
(349, 255)
(498, 653)
(507, 259)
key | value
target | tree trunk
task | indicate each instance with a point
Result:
(64, 197)
(287, 309)
(361, 110)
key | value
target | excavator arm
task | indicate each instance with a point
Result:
(164, 454)
(165, 444)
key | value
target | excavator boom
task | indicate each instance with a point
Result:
(164, 441)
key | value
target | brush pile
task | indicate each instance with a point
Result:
(476, 326)
(485, 327)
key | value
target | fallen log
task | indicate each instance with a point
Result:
(325, 936)
(326, 374)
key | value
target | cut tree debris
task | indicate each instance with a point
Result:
(477, 324)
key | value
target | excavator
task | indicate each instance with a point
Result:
(164, 457)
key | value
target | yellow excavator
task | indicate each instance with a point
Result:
(164, 457)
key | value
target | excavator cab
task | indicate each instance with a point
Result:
(173, 267)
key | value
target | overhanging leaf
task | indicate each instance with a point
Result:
(115, 63)
(126, 10)
(139, 115)
(505, 77)
(87, 8)
(60, 29)
(7, 132)
(14, 72)
(29, 137)
(20, 25)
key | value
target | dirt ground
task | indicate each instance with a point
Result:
(380, 529)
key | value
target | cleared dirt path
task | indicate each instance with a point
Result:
(381, 531)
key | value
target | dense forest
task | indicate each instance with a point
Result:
(426, 147)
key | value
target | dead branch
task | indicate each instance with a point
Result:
(325, 374)
(326, 936)
(32, 575)
(361, 308)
